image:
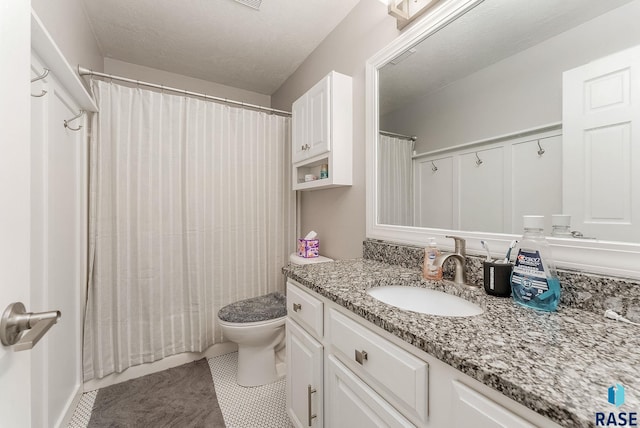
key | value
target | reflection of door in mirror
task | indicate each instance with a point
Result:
(601, 116)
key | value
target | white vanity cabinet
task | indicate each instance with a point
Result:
(364, 376)
(322, 134)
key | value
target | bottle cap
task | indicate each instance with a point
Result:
(533, 221)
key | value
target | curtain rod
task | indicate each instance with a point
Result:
(393, 134)
(83, 71)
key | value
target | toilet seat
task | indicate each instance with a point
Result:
(255, 310)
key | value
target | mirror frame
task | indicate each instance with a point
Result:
(603, 257)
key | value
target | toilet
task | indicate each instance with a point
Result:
(256, 325)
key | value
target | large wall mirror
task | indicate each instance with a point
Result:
(486, 111)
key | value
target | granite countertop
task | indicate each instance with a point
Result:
(558, 364)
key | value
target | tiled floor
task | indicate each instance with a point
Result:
(261, 406)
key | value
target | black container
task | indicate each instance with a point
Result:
(497, 278)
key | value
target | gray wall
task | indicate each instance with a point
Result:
(69, 26)
(338, 215)
(520, 92)
(134, 71)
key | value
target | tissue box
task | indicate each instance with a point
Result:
(308, 248)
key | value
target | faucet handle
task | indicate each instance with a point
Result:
(460, 245)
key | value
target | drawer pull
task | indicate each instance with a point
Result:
(297, 307)
(310, 390)
(361, 356)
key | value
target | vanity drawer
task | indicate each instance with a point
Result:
(305, 309)
(393, 372)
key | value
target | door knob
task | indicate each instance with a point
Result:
(24, 329)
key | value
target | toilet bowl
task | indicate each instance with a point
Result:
(256, 325)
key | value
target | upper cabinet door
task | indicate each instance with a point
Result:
(311, 117)
(299, 128)
(601, 147)
(320, 117)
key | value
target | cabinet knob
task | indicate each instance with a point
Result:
(297, 307)
(302, 147)
(361, 356)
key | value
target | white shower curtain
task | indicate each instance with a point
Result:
(191, 209)
(395, 181)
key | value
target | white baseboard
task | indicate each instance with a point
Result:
(157, 366)
(71, 408)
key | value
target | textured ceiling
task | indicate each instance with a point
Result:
(492, 31)
(217, 40)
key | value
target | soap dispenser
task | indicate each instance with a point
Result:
(430, 270)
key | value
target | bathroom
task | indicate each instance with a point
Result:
(450, 370)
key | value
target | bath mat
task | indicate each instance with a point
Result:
(183, 396)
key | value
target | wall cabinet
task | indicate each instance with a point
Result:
(322, 134)
(364, 376)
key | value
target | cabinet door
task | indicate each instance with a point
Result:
(304, 378)
(319, 122)
(352, 403)
(472, 409)
(299, 128)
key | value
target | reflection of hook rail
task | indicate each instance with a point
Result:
(66, 122)
(478, 160)
(44, 74)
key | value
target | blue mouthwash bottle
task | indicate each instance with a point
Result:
(534, 282)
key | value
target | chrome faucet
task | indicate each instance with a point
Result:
(458, 257)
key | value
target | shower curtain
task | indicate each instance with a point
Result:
(191, 208)
(395, 181)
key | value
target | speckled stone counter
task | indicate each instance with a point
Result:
(557, 364)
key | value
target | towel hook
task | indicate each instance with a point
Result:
(434, 168)
(66, 122)
(541, 151)
(45, 73)
(478, 160)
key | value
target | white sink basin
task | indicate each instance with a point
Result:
(424, 300)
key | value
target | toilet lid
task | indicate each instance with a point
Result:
(261, 308)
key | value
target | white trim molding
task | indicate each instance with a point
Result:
(603, 257)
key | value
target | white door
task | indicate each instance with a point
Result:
(304, 378)
(472, 409)
(601, 147)
(352, 403)
(15, 367)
